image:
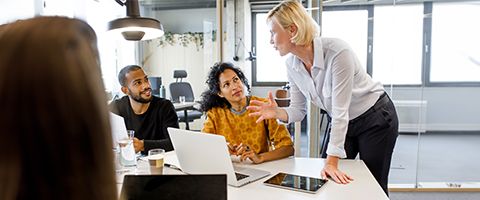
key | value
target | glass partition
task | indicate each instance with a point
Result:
(426, 55)
(447, 154)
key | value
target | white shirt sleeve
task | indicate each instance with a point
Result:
(297, 109)
(342, 86)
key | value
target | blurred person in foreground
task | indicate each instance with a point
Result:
(56, 141)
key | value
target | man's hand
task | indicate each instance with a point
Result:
(138, 145)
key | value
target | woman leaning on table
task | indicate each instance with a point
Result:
(326, 72)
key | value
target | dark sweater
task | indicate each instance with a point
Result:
(151, 126)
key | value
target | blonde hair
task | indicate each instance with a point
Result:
(56, 140)
(292, 12)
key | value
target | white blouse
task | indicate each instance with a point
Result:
(338, 84)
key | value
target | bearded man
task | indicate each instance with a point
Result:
(148, 115)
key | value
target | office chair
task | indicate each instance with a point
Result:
(179, 88)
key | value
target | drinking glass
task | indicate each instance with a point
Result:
(127, 152)
(156, 160)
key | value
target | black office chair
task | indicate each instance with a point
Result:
(179, 88)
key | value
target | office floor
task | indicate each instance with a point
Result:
(444, 157)
(434, 195)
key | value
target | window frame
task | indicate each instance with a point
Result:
(254, 62)
(427, 24)
(426, 49)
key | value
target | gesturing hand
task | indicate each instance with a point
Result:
(264, 110)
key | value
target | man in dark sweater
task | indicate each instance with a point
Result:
(147, 115)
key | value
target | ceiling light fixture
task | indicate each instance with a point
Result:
(134, 27)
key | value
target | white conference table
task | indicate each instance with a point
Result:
(364, 185)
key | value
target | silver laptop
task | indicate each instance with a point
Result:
(200, 153)
(119, 130)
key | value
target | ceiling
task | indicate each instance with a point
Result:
(189, 4)
(177, 4)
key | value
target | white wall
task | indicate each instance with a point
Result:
(11, 10)
(197, 63)
(183, 20)
(164, 60)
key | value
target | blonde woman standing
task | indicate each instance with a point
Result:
(326, 72)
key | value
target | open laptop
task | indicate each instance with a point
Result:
(174, 187)
(119, 130)
(200, 153)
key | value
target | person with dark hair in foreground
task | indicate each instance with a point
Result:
(148, 115)
(56, 141)
(225, 102)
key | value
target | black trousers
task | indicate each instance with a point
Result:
(373, 135)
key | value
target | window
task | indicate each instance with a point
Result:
(350, 26)
(270, 68)
(58, 8)
(411, 44)
(114, 52)
(455, 45)
(10, 11)
(397, 44)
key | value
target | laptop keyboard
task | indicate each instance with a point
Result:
(240, 176)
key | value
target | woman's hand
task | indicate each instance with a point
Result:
(245, 152)
(232, 149)
(264, 110)
(255, 158)
(331, 170)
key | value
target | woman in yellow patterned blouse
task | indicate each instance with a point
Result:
(225, 103)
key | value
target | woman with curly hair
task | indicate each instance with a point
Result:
(225, 103)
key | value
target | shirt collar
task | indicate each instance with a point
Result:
(318, 60)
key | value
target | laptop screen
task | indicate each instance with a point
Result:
(178, 187)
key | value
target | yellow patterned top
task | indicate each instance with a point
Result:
(240, 128)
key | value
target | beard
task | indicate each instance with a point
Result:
(138, 97)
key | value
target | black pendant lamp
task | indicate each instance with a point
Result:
(133, 27)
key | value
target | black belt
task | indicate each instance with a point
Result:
(382, 100)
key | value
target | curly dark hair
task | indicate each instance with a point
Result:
(210, 98)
